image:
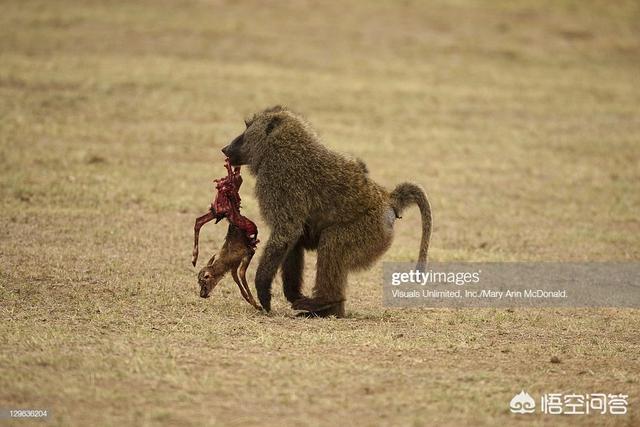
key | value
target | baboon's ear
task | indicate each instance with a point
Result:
(210, 263)
(273, 123)
(247, 122)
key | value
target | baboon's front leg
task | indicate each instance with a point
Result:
(281, 240)
(292, 270)
(242, 272)
(200, 221)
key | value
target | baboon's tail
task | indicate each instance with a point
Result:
(404, 195)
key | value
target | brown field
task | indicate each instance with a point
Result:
(521, 120)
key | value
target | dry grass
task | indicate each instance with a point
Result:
(523, 121)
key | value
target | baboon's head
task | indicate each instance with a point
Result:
(209, 277)
(260, 136)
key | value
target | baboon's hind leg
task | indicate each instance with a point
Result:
(342, 248)
(331, 281)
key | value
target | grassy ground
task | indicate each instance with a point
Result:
(522, 121)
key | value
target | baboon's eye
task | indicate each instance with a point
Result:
(273, 123)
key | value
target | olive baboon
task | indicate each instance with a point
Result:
(315, 199)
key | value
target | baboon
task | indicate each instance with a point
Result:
(235, 257)
(315, 199)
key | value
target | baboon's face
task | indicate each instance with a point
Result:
(245, 149)
(208, 279)
(238, 151)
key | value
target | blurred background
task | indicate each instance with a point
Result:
(524, 114)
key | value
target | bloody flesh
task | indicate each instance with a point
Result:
(227, 205)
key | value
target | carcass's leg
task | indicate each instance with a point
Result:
(243, 276)
(234, 274)
(200, 221)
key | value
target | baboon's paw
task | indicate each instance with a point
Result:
(335, 310)
(265, 300)
(316, 314)
(308, 315)
(300, 303)
(318, 308)
(311, 304)
(293, 297)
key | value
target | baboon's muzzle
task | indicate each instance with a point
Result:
(232, 151)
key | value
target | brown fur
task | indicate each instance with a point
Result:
(234, 257)
(315, 199)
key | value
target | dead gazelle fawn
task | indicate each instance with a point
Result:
(239, 244)
(234, 257)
